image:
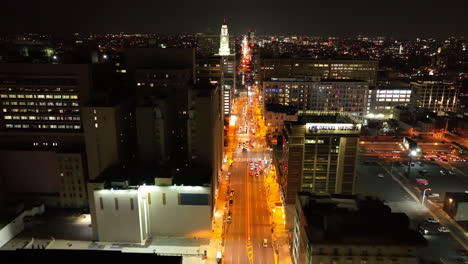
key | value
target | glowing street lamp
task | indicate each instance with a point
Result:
(424, 194)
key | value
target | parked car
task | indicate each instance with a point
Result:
(380, 175)
(265, 242)
(432, 220)
(443, 229)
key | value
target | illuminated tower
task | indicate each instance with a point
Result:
(224, 40)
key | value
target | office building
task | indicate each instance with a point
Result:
(318, 95)
(435, 95)
(345, 229)
(363, 70)
(40, 124)
(382, 99)
(221, 70)
(319, 154)
(177, 116)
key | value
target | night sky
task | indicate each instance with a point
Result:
(409, 18)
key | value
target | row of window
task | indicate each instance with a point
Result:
(40, 96)
(59, 118)
(40, 103)
(42, 126)
(41, 110)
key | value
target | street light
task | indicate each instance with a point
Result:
(424, 194)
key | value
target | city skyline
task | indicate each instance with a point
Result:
(398, 19)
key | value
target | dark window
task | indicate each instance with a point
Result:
(194, 199)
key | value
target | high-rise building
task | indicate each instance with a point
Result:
(42, 125)
(224, 41)
(363, 70)
(345, 229)
(318, 95)
(319, 153)
(177, 116)
(382, 99)
(435, 95)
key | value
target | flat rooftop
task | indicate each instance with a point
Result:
(352, 220)
(305, 117)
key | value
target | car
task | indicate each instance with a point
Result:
(231, 202)
(451, 172)
(232, 193)
(442, 172)
(443, 229)
(244, 149)
(433, 195)
(463, 252)
(380, 175)
(432, 220)
(265, 242)
(461, 260)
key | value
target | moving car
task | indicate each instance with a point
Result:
(442, 172)
(380, 175)
(265, 242)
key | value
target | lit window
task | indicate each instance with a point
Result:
(7, 117)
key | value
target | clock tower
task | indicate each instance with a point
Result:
(224, 40)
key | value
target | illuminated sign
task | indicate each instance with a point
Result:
(317, 128)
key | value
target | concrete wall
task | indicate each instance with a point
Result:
(171, 218)
(116, 220)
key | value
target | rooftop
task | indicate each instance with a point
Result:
(331, 117)
(352, 220)
(87, 255)
(279, 108)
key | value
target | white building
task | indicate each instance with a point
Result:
(224, 41)
(134, 215)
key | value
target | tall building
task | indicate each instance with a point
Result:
(319, 154)
(345, 229)
(108, 137)
(40, 125)
(318, 95)
(435, 95)
(178, 114)
(224, 41)
(382, 99)
(363, 70)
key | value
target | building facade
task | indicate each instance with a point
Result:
(133, 215)
(363, 70)
(382, 99)
(435, 95)
(318, 95)
(319, 154)
(275, 115)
